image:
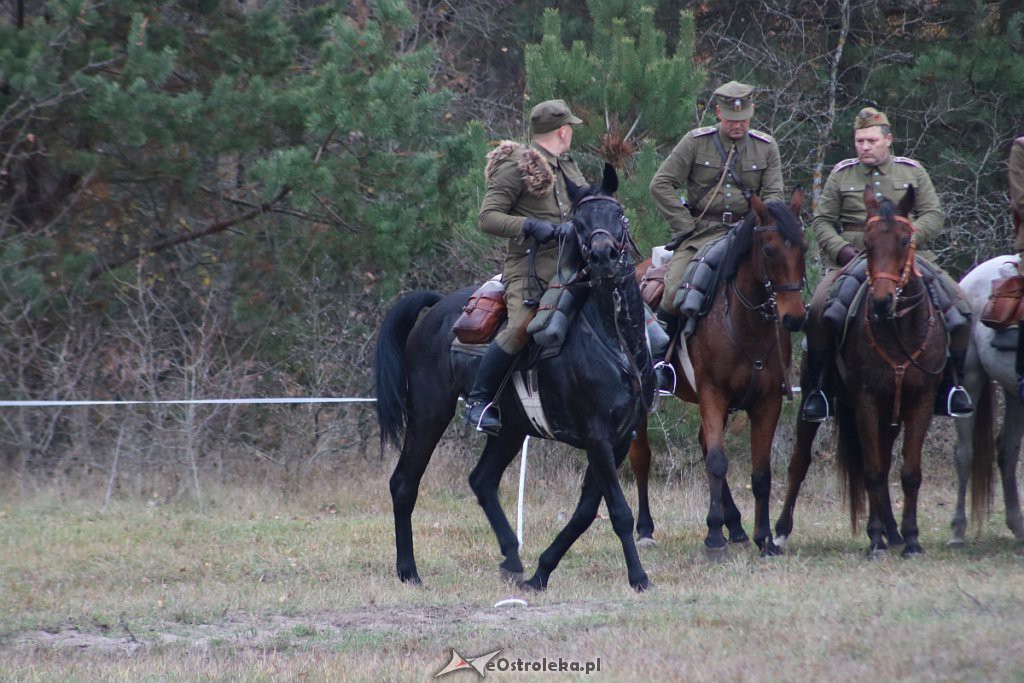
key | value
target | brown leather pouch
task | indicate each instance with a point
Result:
(652, 286)
(482, 315)
(1004, 307)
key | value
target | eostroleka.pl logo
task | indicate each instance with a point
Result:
(491, 662)
(479, 664)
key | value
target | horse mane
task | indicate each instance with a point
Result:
(886, 209)
(743, 236)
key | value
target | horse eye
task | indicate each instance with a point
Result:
(905, 241)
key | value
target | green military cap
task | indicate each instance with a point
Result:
(551, 115)
(735, 101)
(868, 117)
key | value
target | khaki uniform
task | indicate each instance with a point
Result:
(695, 166)
(841, 213)
(1016, 176)
(525, 182)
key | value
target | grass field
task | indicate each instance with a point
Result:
(255, 587)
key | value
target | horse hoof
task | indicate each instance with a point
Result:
(878, 553)
(410, 580)
(645, 542)
(642, 585)
(771, 550)
(534, 584)
(956, 542)
(782, 542)
(509, 576)
(739, 538)
(912, 550)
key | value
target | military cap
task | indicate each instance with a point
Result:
(551, 115)
(868, 117)
(735, 101)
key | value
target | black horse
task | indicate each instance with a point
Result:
(594, 392)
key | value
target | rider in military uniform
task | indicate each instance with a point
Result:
(527, 202)
(716, 169)
(838, 227)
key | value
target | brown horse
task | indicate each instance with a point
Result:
(740, 358)
(889, 368)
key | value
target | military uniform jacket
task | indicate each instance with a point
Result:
(695, 165)
(841, 213)
(1016, 173)
(525, 182)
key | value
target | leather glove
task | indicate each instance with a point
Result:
(846, 254)
(564, 230)
(541, 231)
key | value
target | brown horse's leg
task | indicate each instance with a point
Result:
(712, 426)
(799, 463)
(733, 518)
(1009, 453)
(887, 441)
(640, 462)
(763, 421)
(915, 426)
(875, 470)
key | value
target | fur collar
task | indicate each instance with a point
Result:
(536, 172)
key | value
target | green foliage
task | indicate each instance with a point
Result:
(633, 90)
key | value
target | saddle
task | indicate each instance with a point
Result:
(850, 287)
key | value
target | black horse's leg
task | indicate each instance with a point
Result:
(426, 425)
(799, 463)
(582, 517)
(640, 462)
(484, 480)
(1008, 452)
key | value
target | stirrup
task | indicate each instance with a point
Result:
(659, 366)
(958, 390)
(815, 418)
(493, 422)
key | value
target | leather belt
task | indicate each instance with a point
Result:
(851, 227)
(727, 217)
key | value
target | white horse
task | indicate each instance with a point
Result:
(975, 447)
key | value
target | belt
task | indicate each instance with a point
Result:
(851, 227)
(727, 217)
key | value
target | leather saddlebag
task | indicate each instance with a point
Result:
(652, 286)
(1004, 307)
(482, 315)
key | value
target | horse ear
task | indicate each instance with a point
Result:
(609, 180)
(796, 201)
(906, 204)
(870, 200)
(763, 218)
(575, 191)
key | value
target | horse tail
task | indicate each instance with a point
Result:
(984, 455)
(389, 372)
(850, 460)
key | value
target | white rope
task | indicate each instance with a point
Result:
(522, 487)
(200, 401)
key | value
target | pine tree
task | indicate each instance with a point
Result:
(634, 91)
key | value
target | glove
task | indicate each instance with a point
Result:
(541, 231)
(564, 230)
(846, 254)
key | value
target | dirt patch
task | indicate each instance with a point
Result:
(242, 630)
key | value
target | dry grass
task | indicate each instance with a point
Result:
(254, 587)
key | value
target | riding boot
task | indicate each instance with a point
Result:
(663, 370)
(952, 399)
(815, 408)
(480, 413)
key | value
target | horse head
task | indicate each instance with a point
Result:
(778, 249)
(889, 244)
(601, 227)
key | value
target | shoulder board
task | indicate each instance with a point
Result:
(908, 161)
(845, 163)
(758, 135)
(706, 130)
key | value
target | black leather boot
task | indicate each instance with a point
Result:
(663, 370)
(480, 413)
(815, 408)
(952, 399)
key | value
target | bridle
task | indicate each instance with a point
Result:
(622, 245)
(899, 369)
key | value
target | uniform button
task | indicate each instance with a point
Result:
(877, 182)
(707, 163)
(754, 166)
(728, 194)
